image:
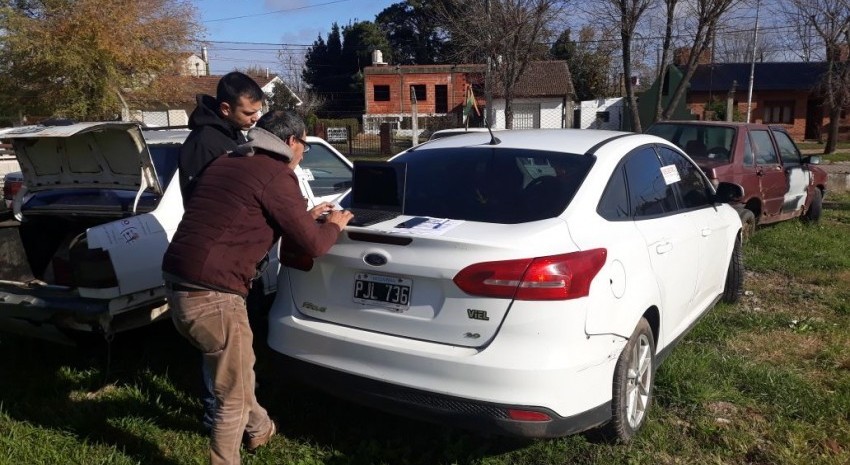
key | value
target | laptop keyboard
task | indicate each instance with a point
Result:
(365, 217)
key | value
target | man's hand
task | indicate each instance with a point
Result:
(339, 218)
(321, 209)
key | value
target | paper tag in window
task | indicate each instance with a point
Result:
(670, 173)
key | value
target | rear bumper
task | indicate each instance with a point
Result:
(45, 311)
(478, 416)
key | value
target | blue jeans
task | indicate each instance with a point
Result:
(208, 397)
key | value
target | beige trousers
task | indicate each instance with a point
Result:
(217, 324)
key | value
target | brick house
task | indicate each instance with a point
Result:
(784, 93)
(542, 98)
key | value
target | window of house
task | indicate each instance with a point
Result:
(603, 116)
(421, 94)
(382, 93)
(779, 112)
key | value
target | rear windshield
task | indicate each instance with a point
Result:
(164, 157)
(700, 142)
(505, 186)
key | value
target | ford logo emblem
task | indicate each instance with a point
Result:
(375, 259)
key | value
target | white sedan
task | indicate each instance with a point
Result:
(547, 275)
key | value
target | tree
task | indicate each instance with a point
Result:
(73, 58)
(506, 34)
(333, 70)
(705, 15)
(626, 14)
(830, 19)
(669, 19)
(415, 37)
(588, 60)
(282, 98)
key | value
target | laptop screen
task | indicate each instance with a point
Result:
(379, 185)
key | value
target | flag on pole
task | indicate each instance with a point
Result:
(470, 105)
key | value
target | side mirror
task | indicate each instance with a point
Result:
(812, 160)
(728, 192)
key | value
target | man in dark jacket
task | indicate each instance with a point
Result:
(217, 125)
(208, 267)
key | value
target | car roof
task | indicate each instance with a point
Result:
(165, 136)
(579, 140)
(713, 123)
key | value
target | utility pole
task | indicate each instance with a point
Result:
(753, 64)
(488, 73)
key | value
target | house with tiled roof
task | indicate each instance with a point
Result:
(169, 100)
(541, 99)
(784, 93)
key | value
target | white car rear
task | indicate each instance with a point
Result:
(539, 270)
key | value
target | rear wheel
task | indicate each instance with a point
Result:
(748, 224)
(815, 209)
(734, 287)
(633, 380)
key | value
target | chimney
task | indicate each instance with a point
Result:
(377, 58)
(205, 56)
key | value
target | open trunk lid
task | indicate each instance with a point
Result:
(84, 155)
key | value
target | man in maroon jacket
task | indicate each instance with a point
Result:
(242, 204)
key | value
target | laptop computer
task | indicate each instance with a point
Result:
(377, 191)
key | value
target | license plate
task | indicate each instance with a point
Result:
(385, 291)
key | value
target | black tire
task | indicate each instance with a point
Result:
(748, 224)
(734, 288)
(815, 209)
(634, 378)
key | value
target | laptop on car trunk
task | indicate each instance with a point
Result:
(377, 191)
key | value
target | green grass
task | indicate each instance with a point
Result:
(764, 381)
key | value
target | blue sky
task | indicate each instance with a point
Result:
(273, 33)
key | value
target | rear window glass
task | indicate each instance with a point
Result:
(505, 186)
(700, 142)
(164, 157)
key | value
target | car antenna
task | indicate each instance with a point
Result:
(493, 139)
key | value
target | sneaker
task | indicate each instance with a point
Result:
(256, 442)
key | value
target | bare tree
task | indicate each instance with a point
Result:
(506, 34)
(626, 14)
(706, 14)
(802, 38)
(669, 17)
(830, 20)
(736, 46)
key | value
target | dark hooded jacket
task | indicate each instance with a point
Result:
(211, 137)
(242, 204)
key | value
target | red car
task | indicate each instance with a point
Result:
(779, 183)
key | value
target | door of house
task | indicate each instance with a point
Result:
(814, 119)
(441, 99)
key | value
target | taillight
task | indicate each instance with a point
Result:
(556, 277)
(10, 188)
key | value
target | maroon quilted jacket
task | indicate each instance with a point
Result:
(240, 207)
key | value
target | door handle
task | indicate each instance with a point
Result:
(663, 248)
(706, 232)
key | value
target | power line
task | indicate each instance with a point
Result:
(273, 12)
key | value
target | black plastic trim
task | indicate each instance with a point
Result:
(478, 416)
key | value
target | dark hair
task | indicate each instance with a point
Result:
(233, 85)
(283, 124)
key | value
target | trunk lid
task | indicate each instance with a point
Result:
(401, 283)
(84, 156)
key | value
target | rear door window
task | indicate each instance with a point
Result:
(763, 149)
(651, 194)
(504, 186)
